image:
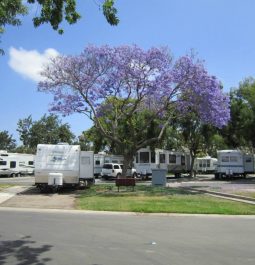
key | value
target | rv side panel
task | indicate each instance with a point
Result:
(87, 165)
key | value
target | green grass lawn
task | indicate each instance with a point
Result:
(148, 199)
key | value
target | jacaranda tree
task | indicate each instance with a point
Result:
(142, 82)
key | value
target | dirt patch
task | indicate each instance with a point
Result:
(32, 198)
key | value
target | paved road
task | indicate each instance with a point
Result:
(103, 239)
(21, 181)
(208, 182)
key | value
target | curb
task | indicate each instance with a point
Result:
(228, 196)
(111, 213)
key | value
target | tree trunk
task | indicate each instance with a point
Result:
(127, 164)
(192, 172)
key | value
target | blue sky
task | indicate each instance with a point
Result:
(222, 32)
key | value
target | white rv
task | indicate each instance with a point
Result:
(16, 164)
(174, 162)
(63, 165)
(205, 164)
(178, 163)
(234, 163)
(98, 163)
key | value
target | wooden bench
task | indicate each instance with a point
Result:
(125, 182)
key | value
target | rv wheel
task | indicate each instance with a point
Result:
(82, 184)
(43, 188)
(177, 175)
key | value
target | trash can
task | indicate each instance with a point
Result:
(159, 177)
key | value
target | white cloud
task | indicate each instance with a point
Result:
(30, 63)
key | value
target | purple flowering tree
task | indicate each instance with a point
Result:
(116, 86)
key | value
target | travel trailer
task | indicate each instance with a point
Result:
(234, 163)
(174, 162)
(102, 158)
(63, 165)
(16, 164)
(205, 164)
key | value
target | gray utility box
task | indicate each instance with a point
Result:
(159, 177)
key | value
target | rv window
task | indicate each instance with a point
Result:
(107, 166)
(248, 160)
(3, 163)
(172, 159)
(97, 162)
(200, 163)
(182, 160)
(144, 157)
(30, 163)
(12, 164)
(233, 159)
(4, 154)
(22, 163)
(107, 161)
(225, 159)
(208, 162)
(152, 157)
(162, 158)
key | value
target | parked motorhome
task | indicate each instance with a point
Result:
(102, 158)
(63, 165)
(205, 164)
(16, 164)
(174, 162)
(178, 163)
(234, 163)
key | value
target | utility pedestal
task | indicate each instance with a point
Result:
(159, 177)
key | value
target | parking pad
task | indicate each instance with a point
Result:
(32, 198)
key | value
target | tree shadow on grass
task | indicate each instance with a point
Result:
(140, 190)
(24, 251)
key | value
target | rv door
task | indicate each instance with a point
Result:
(86, 165)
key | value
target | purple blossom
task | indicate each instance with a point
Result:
(150, 78)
